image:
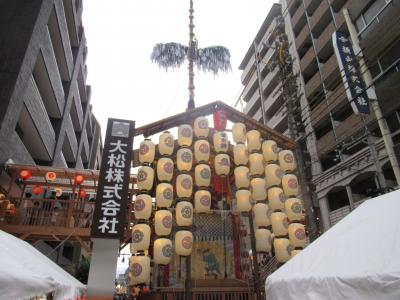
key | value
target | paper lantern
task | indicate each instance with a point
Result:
(147, 151)
(256, 163)
(286, 161)
(202, 175)
(297, 235)
(263, 240)
(290, 185)
(184, 185)
(145, 178)
(222, 164)
(261, 215)
(202, 201)
(164, 195)
(243, 200)
(270, 151)
(201, 127)
(220, 120)
(166, 143)
(51, 176)
(276, 199)
(273, 175)
(283, 249)
(82, 194)
(239, 133)
(253, 140)
(221, 142)
(280, 224)
(79, 179)
(201, 151)
(240, 154)
(162, 251)
(163, 222)
(140, 238)
(139, 267)
(25, 174)
(294, 209)
(143, 206)
(185, 135)
(184, 159)
(294, 253)
(37, 190)
(258, 189)
(242, 177)
(183, 242)
(165, 169)
(184, 213)
(58, 191)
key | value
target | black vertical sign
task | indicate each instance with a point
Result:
(112, 190)
(350, 72)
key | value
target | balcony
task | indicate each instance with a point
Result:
(72, 22)
(308, 64)
(70, 146)
(299, 19)
(331, 73)
(320, 18)
(311, 5)
(276, 121)
(313, 87)
(270, 81)
(324, 45)
(303, 38)
(249, 109)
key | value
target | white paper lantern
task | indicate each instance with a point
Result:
(164, 195)
(263, 240)
(184, 185)
(166, 143)
(276, 199)
(297, 235)
(258, 189)
(202, 175)
(243, 200)
(145, 178)
(261, 215)
(280, 224)
(286, 161)
(50, 176)
(140, 238)
(202, 201)
(256, 163)
(239, 133)
(270, 151)
(185, 135)
(183, 243)
(143, 207)
(295, 252)
(162, 251)
(283, 249)
(240, 154)
(165, 169)
(253, 140)
(201, 127)
(222, 164)
(221, 142)
(242, 177)
(184, 159)
(139, 268)
(202, 151)
(184, 213)
(294, 209)
(273, 175)
(163, 222)
(147, 151)
(290, 185)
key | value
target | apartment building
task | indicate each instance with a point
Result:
(45, 112)
(349, 162)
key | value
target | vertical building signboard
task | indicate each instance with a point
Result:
(112, 189)
(350, 73)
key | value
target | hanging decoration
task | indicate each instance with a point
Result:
(147, 152)
(37, 190)
(220, 120)
(202, 151)
(166, 144)
(201, 128)
(79, 179)
(50, 176)
(25, 174)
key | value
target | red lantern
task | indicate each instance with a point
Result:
(51, 176)
(145, 290)
(79, 179)
(37, 190)
(220, 120)
(25, 174)
(82, 194)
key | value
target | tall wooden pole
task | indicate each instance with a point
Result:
(191, 57)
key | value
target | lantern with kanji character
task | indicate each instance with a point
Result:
(147, 151)
(143, 206)
(184, 213)
(145, 178)
(222, 164)
(294, 209)
(202, 175)
(163, 222)
(201, 127)
(202, 201)
(184, 159)
(162, 251)
(184, 185)
(185, 135)
(221, 142)
(164, 194)
(140, 238)
(165, 169)
(201, 151)
(220, 120)
(166, 143)
(297, 235)
(290, 185)
(286, 161)
(139, 268)
(183, 242)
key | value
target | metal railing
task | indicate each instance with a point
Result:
(207, 294)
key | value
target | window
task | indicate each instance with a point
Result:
(370, 17)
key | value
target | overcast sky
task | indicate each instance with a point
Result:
(121, 34)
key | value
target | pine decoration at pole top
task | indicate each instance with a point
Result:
(172, 55)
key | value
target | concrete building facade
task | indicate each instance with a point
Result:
(45, 112)
(345, 171)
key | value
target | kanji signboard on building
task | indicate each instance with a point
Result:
(350, 72)
(112, 189)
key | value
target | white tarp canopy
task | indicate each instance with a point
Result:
(25, 272)
(358, 258)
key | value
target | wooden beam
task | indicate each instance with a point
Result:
(83, 233)
(24, 236)
(83, 244)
